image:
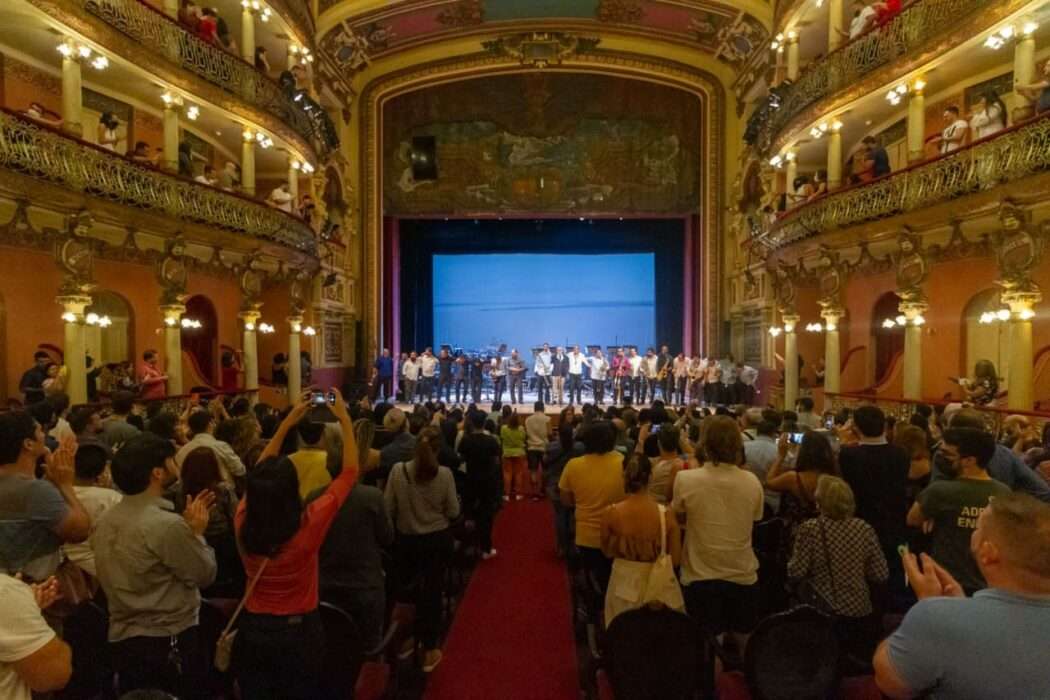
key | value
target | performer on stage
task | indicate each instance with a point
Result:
(637, 375)
(445, 374)
(697, 367)
(681, 377)
(650, 372)
(383, 376)
(409, 377)
(559, 371)
(576, 360)
(427, 368)
(599, 369)
(499, 378)
(712, 381)
(621, 371)
(461, 378)
(478, 368)
(665, 373)
(515, 367)
(746, 378)
(542, 372)
(728, 380)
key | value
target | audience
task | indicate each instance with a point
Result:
(93, 486)
(481, 453)
(33, 659)
(311, 459)
(512, 441)
(202, 424)
(116, 430)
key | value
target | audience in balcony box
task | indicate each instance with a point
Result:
(153, 382)
(279, 370)
(954, 133)
(281, 198)
(863, 19)
(229, 372)
(185, 159)
(983, 388)
(141, 154)
(861, 166)
(222, 32)
(306, 208)
(261, 62)
(190, 15)
(38, 113)
(107, 131)
(803, 187)
(207, 177)
(880, 160)
(57, 378)
(208, 26)
(886, 10)
(231, 177)
(819, 185)
(988, 116)
(1038, 91)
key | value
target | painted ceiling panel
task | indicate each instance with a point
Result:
(500, 10)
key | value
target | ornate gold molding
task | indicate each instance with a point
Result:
(709, 238)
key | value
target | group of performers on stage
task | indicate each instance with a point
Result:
(624, 376)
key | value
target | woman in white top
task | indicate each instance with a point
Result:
(988, 116)
(107, 131)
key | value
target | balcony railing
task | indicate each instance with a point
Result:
(150, 27)
(912, 29)
(1009, 155)
(44, 153)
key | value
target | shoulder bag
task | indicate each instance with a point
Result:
(808, 594)
(224, 646)
(662, 585)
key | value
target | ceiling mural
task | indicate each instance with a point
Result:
(728, 33)
(550, 142)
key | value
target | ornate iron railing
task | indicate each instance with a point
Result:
(915, 27)
(1012, 154)
(46, 154)
(152, 28)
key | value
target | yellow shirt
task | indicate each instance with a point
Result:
(596, 482)
(312, 467)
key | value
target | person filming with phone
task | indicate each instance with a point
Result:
(802, 458)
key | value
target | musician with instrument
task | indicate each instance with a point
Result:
(665, 374)
(712, 381)
(516, 373)
(498, 372)
(599, 369)
(697, 370)
(651, 375)
(576, 361)
(680, 378)
(621, 371)
(542, 372)
(637, 375)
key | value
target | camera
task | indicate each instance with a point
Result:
(795, 438)
(320, 398)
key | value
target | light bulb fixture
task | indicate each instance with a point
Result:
(307, 168)
(819, 130)
(1026, 314)
(297, 328)
(790, 156)
(792, 35)
(829, 326)
(296, 165)
(776, 161)
(266, 328)
(918, 320)
(192, 112)
(66, 49)
(1003, 314)
(836, 125)
(814, 327)
(818, 4)
(895, 95)
(889, 323)
(249, 326)
(91, 319)
(170, 321)
(901, 320)
(309, 330)
(100, 63)
(248, 135)
(69, 317)
(918, 85)
(997, 39)
(778, 43)
(84, 51)
(789, 327)
(1029, 27)
(775, 331)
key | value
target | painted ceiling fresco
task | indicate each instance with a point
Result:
(548, 142)
(720, 29)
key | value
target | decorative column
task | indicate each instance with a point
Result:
(913, 314)
(791, 172)
(294, 166)
(72, 97)
(917, 122)
(172, 104)
(248, 163)
(792, 55)
(832, 314)
(1024, 73)
(835, 155)
(836, 24)
(250, 347)
(295, 367)
(73, 346)
(248, 35)
(1019, 381)
(790, 321)
(173, 346)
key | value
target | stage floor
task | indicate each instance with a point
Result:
(522, 408)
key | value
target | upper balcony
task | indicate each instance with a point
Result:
(1008, 156)
(883, 54)
(166, 48)
(89, 174)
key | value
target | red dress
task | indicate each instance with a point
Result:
(153, 386)
(892, 9)
(208, 28)
(229, 378)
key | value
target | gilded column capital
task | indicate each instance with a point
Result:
(250, 317)
(913, 309)
(73, 306)
(1022, 301)
(295, 323)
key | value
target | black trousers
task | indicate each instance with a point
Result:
(680, 384)
(475, 389)
(445, 383)
(667, 388)
(385, 387)
(421, 563)
(543, 389)
(279, 657)
(575, 388)
(598, 389)
(461, 390)
(498, 384)
(173, 664)
(634, 387)
(517, 381)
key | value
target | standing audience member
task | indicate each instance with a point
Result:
(279, 649)
(116, 430)
(202, 424)
(760, 454)
(1038, 91)
(152, 564)
(32, 658)
(401, 446)
(421, 499)
(37, 516)
(94, 488)
(720, 503)
(32, 383)
(538, 430)
(481, 452)
(954, 133)
(878, 156)
(997, 638)
(512, 440)
(950, 507)
(799, 485)
(351, 557)
(311, 459)
(988, 116)
(107, 131)
(154, 383)
(668, 464)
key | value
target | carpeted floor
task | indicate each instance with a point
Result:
(512, 637)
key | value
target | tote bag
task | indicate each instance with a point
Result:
(634, 583)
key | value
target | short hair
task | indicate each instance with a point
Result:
(200, 471)
(753, 416)
(123, 402)
(41, 355)
(134, 463)
(953, 109)
(869, 139)
(598, 438)
(722, 441)
(967, 418)
(240, 407)
(311, 432)
(60, 402)
(199, 421)
(149, 355)
(766, 428)
(15, 428)
(90, 461)
(164, 424)
(806, 404)
(80, 417)
(538, 407)
(43, 412)
(970, 442)
(834, 497)
(669, 438)
(912, 440)
(477, 419)
(1021, 524)
(870, 421)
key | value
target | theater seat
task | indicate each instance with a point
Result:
(733, 685)
(373, 681)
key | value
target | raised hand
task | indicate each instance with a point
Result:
(339, 407)
(46, 593)
(929, 579)
(301, 406)
(198, 511)
(60, 463)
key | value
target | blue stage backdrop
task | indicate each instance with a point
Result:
(522, 282)
(595, 299)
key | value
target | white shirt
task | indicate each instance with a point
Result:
(721, 502)
(96, 501)
(987, 122)
(23, 632)
(861, 22)
(204, 180)
(62, 431)
(229, 463)
(649, 366)
(543, 364)
(681, 367)
(498, 369)
(636, 365)
(427, 363)
(748, 375)
(576, 360)
(598, 367)
(955, 130)
(410, 370)
(537, 428)
(281, 199)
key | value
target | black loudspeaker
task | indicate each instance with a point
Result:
(424, 158)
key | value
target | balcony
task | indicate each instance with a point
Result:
(917, 27)
(42, 153)
(1008, 156)
(297, 13)
(159, 34)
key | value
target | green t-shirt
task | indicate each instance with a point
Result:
(953, 506)
(513, 440)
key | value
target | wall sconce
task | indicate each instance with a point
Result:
(1003, 34)
(897, 94)
(249, 326)
(815, 327)
(778, 43)
(775, 331)
(819, 130)
(776, 161)
(70, 49)
(191, 323)
(309, 330)
(93, 319)
(266, 328)
(192, 112)
(260, 8)
(302, 52)
(69, 317)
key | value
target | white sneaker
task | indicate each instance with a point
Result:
(489, 554)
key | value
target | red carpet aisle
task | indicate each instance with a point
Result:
(512, 636)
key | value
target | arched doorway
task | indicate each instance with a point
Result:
(202, 343)
(889, 342)
(984, 341)
(115, 342)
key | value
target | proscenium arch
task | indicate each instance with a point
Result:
(709, 225)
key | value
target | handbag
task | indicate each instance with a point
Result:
(224, 645)
(808, 594)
